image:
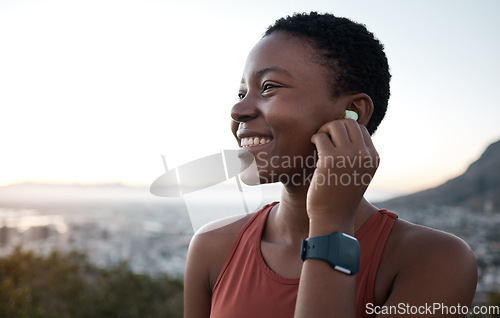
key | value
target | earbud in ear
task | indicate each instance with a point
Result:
(349, 114)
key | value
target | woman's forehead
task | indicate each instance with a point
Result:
(281, 53)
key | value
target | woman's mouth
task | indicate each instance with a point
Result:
(254, 141)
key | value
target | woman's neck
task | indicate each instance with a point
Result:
(289, 219)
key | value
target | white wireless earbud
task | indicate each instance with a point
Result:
(349, 114)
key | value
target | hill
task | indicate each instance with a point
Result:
(478, 188)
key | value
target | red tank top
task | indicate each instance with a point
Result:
(248, 288)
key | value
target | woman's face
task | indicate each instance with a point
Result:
(284, 100)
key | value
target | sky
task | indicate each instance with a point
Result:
(95, 91)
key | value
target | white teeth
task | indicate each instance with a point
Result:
(254, 141)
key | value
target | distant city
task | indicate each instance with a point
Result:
(151, 235)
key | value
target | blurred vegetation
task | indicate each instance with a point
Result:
(68, 285)
(494, 300)
(491, 307)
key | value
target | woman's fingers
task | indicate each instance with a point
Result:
(345, 133)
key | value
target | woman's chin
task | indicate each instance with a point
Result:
(250, 177)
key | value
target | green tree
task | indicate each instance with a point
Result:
(69, 286)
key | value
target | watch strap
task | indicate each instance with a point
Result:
(341, 251)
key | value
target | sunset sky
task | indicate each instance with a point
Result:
(97, 90)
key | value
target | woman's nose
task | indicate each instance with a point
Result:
(244, 110)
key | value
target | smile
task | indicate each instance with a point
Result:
(254, 141)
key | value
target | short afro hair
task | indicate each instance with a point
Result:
(355, 56)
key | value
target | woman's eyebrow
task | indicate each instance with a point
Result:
(272, 69)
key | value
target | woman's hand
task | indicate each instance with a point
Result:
(347, 161)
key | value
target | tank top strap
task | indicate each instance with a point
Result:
(372, 238)
(382, 230)
(255, 223)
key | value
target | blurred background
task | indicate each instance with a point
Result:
(92, 93)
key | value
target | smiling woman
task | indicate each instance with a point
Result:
(323, 250)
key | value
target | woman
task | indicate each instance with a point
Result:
(300, 85)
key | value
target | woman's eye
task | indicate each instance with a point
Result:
(241, 96)
(267, 87)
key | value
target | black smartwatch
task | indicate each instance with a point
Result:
(338, 249)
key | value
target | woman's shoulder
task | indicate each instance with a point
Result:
(413, 240)
(225, 226)
(422, 258)
(220, 233)
(212, 243)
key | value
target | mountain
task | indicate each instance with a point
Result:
(478, 188)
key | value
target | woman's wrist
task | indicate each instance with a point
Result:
(323, 226)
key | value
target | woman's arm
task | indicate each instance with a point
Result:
(433, 268)
(325, 292)
(197, 292)
(331, 205)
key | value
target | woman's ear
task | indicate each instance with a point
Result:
(362, 104)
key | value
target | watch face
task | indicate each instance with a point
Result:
(347, 253)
